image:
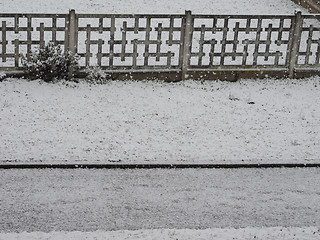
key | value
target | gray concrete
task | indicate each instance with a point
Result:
(87, 200)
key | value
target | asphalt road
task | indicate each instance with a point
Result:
(112, 199)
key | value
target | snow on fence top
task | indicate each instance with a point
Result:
(182, 43)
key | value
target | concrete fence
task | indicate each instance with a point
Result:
(171, 46)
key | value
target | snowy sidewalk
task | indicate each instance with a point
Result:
(91, 200)
(283, 233)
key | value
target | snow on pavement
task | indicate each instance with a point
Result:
(283, 233)
(88, 200)
(249, 121)
(43, 204)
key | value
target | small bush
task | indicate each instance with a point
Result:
(95, 75)
(3, 75)
(50, 62)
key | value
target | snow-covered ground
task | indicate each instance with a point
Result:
(249, 121)
(139, 122)
(307, 233)
(156, 6)
(88, 200)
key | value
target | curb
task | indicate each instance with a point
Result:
(154, 166)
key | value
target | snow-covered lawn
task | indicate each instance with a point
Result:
(307, 233)
(250, 121)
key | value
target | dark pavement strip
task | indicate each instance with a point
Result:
(113, 199)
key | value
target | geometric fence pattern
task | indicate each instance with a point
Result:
(240, 41)
(129, 41)
(21, 34)
(170, 42)
(309, 42)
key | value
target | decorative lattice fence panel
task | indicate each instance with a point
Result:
(130, 41)
(309, 42)
(240, 41)
(21, 34)
(180, 43)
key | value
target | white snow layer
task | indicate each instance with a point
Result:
(161, 122)
(156, 6)
(249, 121)
(283, 233)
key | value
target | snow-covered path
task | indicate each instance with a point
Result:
(89, 200)
(250, 233)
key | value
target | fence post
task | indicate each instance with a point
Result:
(295, 44)
(72, 43)
(186, 50)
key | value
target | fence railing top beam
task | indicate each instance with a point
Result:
(241, 16)
(130, 15)
(89, 15)
(37, 15)
(311, 16)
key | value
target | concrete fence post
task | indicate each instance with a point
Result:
(295, 43)
(72, 37)
(186, 50)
